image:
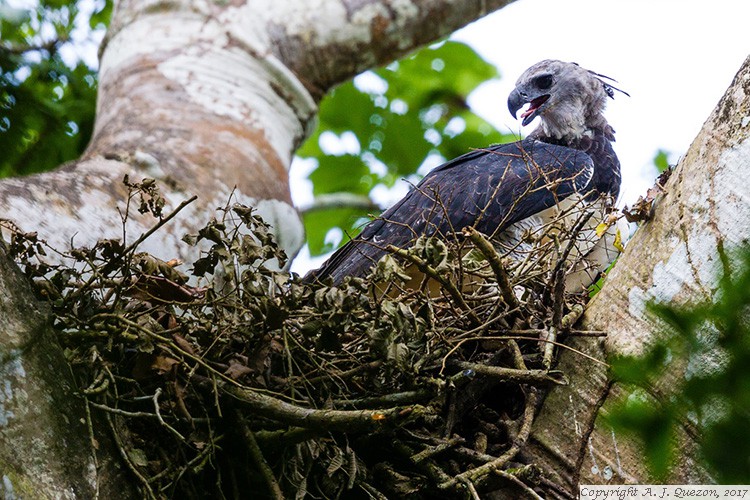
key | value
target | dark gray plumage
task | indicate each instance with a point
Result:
(495, 188)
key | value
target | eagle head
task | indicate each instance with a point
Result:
(568, 98)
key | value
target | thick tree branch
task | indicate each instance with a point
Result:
(330, 44)
(322, 420)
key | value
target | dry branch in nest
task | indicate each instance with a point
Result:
(240, 379)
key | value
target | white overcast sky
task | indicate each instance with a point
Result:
(674, 57)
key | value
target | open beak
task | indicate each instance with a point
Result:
(517, 99)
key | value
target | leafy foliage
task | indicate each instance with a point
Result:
(47, 95)
(406, 115)
(711, 342)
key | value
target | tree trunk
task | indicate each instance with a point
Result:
(46, 451)
(674, 258)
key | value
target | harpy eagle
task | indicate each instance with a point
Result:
(508, 189)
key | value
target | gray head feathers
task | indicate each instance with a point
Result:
(569, 99)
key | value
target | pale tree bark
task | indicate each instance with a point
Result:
(210, 99)
(674, 258)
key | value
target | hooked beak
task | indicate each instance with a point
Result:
(517, 99)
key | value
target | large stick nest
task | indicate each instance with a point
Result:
(241, 381)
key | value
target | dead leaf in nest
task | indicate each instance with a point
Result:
(183, 344)
(163, 364)
(276, 345)
(601, 229)
(172, 322)
(158, 289)
(258, 360)
(138, 457)
(236, 369)
(608, 222)
(146, 365)
(181, 407)
(664, 177)
(642, 209)
(151, 265)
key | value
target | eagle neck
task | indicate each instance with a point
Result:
(597, 143)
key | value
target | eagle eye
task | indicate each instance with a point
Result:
(543, 82)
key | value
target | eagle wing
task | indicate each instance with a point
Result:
(488, 189)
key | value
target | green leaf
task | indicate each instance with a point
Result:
(478, 134)
(726, 447)
(346, 108)
(342, 173)
(319, 222)
(661, 160)
(100, 19)
(46, 106)
(11, 19)
(48, 118)
(404, 146)
(449, 70)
